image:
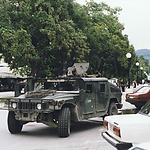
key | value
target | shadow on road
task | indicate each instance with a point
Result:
(85, 125)
(41, 130)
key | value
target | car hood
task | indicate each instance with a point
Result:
(130, 94)
(62, 95)
(50, 94)
(127, 119)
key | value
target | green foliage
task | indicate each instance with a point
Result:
(38, 36)
(144, 63)
(43, 37)
(107, 43)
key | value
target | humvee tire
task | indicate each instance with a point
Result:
(112, 110)
(14, 126)
(64, 123)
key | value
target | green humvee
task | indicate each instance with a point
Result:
(61, 102)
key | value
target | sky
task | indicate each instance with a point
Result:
(135, 16)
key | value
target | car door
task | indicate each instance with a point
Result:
(89, 98)
(102, 96)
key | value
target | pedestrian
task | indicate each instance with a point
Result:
(122, 85)
(134, 84)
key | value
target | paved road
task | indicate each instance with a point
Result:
(35, 136)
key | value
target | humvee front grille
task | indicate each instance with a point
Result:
(26, 106)
(29, 105)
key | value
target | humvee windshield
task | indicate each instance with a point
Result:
(61, 85)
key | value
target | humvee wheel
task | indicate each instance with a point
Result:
(64, 122)
(112, 109)
(14, 126)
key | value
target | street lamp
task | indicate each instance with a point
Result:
(137, 65)
(128, 55)
(141, 68)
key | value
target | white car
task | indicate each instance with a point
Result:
(123, 131)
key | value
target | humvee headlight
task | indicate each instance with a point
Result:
(14, 105)
(39, 106)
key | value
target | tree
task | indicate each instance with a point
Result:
(38, 38)
(43, 37)
(108, 46)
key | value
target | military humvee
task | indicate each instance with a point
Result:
(62, 101)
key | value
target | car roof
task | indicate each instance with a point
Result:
(95, 79)
(85, 79)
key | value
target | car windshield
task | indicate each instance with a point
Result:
(146, 109)
(144, 89)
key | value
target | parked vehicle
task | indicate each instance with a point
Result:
(123, 131)
(139, 97)
(62, 101)
(8, 80)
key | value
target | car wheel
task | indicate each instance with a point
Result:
(113, 110)
(14, 126)
(64, 122)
